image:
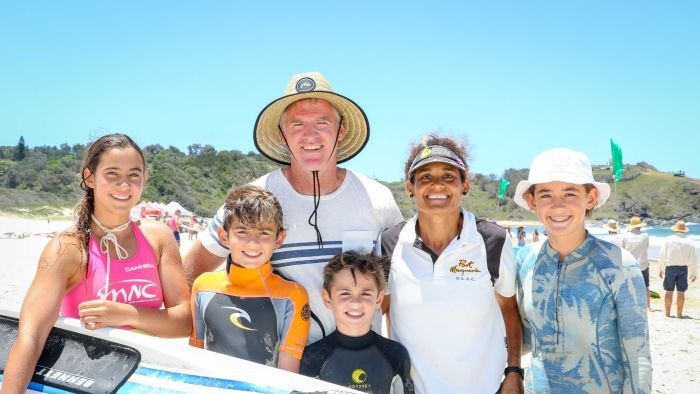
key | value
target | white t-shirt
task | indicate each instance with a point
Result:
(446, 314)
(637, 244)
(350, 218)
(678, 250)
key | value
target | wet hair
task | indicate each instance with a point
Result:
(587, 186)
(252, 207)
(375, 267)
(459, 149)
(86, 204)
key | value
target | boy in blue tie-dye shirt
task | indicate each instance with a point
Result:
(582, 298)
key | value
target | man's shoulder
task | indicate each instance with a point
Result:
(268, 179)
(366, 182)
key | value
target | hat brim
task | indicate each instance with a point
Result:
(680, 230)
(637, 225)
(266, 133)
(523, 186)
(613, 229)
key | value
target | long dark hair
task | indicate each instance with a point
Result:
(86, 204)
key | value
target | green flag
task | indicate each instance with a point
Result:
(502, 188)
(617, 166)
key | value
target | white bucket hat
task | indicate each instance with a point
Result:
(561, 165)
(302, 86)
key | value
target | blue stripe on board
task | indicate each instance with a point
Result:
(42, 388)
(138, 388)
(208, 381)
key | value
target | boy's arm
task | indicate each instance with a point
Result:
(296, 330)
(630, 304)
(197, 335)
(288, 362)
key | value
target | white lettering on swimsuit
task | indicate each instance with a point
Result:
(129, 291)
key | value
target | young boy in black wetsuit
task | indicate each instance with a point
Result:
(353, 355)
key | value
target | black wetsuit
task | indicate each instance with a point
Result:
(370, 363)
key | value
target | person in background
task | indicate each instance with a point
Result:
(270, 315)
(353, 355)
(535, 236)
(327, 209)
(87, 270)
(174, 223)
(521, 236)
(637, 243)
(453, 310)
(613, 230)
(582, 297)
(677, 264)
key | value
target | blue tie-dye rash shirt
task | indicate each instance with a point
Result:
(587, 319)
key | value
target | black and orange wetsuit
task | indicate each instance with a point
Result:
(249, 313)
(370, 363)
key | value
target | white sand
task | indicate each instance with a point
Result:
(675, 343)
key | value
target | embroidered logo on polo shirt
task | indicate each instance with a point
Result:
(464, 267)
(236, 316)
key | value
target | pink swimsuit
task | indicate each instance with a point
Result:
(132, 281)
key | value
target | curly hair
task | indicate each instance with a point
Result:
(460, 149)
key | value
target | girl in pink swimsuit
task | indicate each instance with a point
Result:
(105, 270)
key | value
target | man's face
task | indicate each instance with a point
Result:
(311, 127)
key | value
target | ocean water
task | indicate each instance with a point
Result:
(657, 236)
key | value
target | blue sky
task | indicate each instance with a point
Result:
(515, 78)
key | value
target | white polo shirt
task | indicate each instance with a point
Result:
(446, 314)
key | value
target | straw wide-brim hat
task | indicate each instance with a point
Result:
(680, 227)
(611, 225)
(561, 165)
(302, 86)
(636, 222)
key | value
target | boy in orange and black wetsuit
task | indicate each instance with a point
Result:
(248, 311)
(353, 355)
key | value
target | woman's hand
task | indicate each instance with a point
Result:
(96, 314)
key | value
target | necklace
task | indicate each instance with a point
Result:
(104, 246)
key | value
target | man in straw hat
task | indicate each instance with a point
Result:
(676, 260)
(637, 243)
(327, 209)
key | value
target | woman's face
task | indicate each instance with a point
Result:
(437, 187)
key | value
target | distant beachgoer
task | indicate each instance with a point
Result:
(174, 224)
(582, 297)
(613, 232)
(535, 236)
(637, 243)
(521, 236)
(327, 209)
(353, 355)
(276, 310)
(677, 263)
(87, 270)
(452, 282)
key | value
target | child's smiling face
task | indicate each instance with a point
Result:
(562, 207)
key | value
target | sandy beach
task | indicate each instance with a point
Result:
(675, 343)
